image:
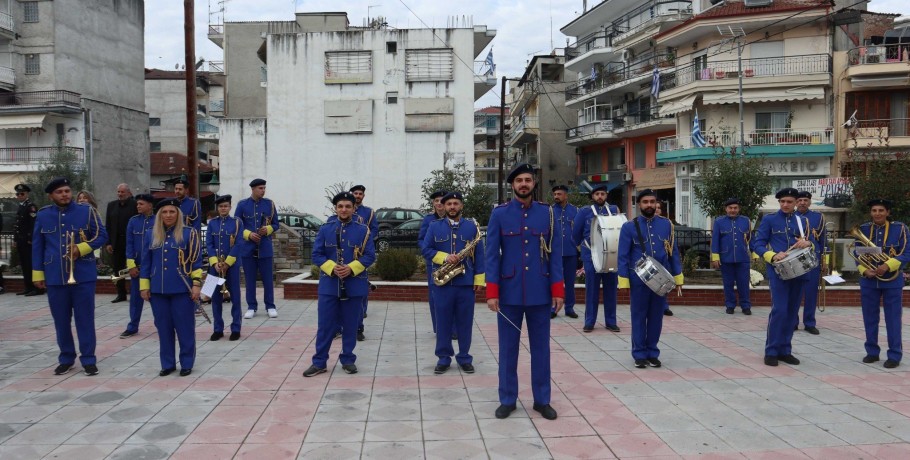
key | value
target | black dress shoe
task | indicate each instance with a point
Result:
(641, 363)
(234, 336)
(118, 299)
(612, 327)
(350, 368)
(440, 369)
(572, 314)
(552, 314)
(668, 312)
(503, 411)
(891, 364)
(127, 334)
(546, 411)
(90, 369)
(22, 292)
(467, 368)
(216, 336)
(789, 359)
(62, 369)
(729, 311)
(747, 311)
(587, 329)
(812, 330)
(454, 336)
(166, 372)
(185, 372)
(32, 293)
(869, 359)
(654, 362)
(360, 336)
(771, 360)
(313, 370)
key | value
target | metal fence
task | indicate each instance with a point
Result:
(41, 99)
(720, 70)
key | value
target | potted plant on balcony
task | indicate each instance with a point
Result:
(669, 60)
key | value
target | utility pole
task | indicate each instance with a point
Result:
(189, 30)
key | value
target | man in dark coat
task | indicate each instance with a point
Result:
(118, 216)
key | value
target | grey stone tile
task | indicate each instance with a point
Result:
(694, 442)
(646, 404)
(898, 428)
(341, 413)
(104, 433)
(387, 450)
(46, 433)
(869, 412)
(753, 438)
(440, 430)
(28, 451)
(200, 398)
(804, 436)
(447, 411)
(26, 414)
(157, 451)
(163, 433)
(855, 433)
(335, 432)
(670, 419)
(524, 448)
(345, 397)
(177, 413)
(330, 451)
(8, 430)
(512, 427)
(405, 430)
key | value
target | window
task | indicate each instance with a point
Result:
(491, 143)
(32, 64)
(154, 121)
(391, 47)
(638, 152)
(590, 163)
(31, 11)
(617, 158)
(154, 146)
(391, 97)
(771, 121)
(429, 65)
(348, 67)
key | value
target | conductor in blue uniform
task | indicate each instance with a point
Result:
(343, 251)
(593, 279)
(368, 218)
(64, 241)
(524, 280)
(189, 206)
(778, 234)
(136, 230)
(816, 234)
(170, 278)
(730, 253)
(884, 284)
(651, 235)
(564, 214)
(222, 242)
(260, 221)
(446, 245)
(438, 213)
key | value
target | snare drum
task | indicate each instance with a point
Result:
(605, 242)
(798, 262)
(655, 275)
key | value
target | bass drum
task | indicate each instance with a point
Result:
(605, 242)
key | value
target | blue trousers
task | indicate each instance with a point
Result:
(810, 294)
(593, 283)
(136, 304)
(785, 296)
(891, 302)
(332, 312)
(233, 287)
(568, 276)
(175, 317)
(509, 343)
(454, 311)
(738, 274)
(68, 303)
(647, 311)
(262, 266)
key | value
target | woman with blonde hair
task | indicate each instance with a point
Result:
(86, 197)
(170, 278)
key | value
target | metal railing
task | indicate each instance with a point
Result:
(7, 23)
(626, 24)
(7, 75)
(649, 114)
(619, 74)
(524, 124)
(203, 127)
(587, 129)
(760, 67)
(481, 69)
(592, 41)
(40, 99)
(802, 136)
(216, 105)
(879, 54)
(216, 66)
(20, 155)
(881, 129)
(216, 29)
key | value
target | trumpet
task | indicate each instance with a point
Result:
(70, 244)
(121, 275)
(870, 261)
(223, 274)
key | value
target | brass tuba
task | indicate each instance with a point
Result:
(447, 272)
(870, 261)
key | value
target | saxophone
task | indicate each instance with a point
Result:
(447, 272)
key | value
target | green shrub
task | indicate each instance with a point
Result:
(395, 265)
(314, 272)
(421, 264)
(690, 261)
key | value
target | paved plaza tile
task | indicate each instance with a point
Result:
(712, 399)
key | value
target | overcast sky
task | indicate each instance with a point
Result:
(523, 26)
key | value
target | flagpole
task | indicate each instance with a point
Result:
(742, 123)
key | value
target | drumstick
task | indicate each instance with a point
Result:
(510, 321)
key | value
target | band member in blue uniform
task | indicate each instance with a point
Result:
(651, 235)
(64, 241)
(343, 251)
(778, 234)
(564, 213)
(368, 217)
(524, 280)
(260, 220)
(222, 243)
(136, 230)
(454, 244)
(884, 285)
(189, 206)
(438, 213)
(170, 278)
(730, 253)
(594, 280)
(816, 235)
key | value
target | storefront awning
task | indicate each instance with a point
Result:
(674, 107)
(22, 121)
(765, 95)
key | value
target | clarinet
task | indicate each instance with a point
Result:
(342, 292)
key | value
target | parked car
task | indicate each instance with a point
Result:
(402, 236)
(307, 225)
(698, 239)
(388, 218)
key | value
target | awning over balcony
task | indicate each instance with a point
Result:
(674, 107)
(22, 121)
(875, 82)
(7, 183)
(764, 95)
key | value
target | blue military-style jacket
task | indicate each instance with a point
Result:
(223, 238)
(581, 234)
(520, 269)
(254, 215)
(444, 238)
(368, 218)
(172, 267)
(892, 238)
(659, 243)
(424, 226)
(816, 231)
(730, 240)
(357, 251)
(777, 233)
(49, 243)
(565, 223)
(192, 213)
(136, 229)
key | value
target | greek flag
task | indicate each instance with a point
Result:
(655, 83)
(491, 66)
(593, 73)
(697, 139)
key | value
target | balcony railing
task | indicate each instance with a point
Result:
(216, 66)
(630, 22)
(40, 99)
(760, 67)
(879, 54)
(31, 155)
(802, 136)
(647, 114)
(881, 129)
(7, 23)
(203, 127)
(524, 124)
(7, 76)
(588, 129)
(481, 69)
(620, 74)
(593, 41)
(216, 105)
(216, 29)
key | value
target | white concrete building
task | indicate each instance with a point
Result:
(375, 106)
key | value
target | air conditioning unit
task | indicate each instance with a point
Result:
(630, 97)
(621, 167)
(627, 177)
(628, 55)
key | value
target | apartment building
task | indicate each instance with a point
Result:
(486, 147)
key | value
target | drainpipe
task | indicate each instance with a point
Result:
(90, 145)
